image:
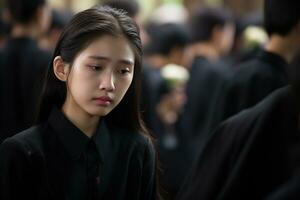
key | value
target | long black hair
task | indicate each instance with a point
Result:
(85, 27)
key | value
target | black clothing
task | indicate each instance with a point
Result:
(250, 83)
(251, 155)
(172, 156)
(153, 87)
(288, 191)
(22, 68)
(206, 79)
(55, 160)
(254, 80)
(83, 167)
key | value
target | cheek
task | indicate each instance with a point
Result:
(79, 86)
(123, 87)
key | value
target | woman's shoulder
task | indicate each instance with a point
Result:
(27, 141)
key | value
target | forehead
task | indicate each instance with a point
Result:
(115, 48)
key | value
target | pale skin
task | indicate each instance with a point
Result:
(104, 69)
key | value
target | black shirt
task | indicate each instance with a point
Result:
(83, 175)
(56, 160)
(253, 155)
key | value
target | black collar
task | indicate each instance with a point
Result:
(74, 140)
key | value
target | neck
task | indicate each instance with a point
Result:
(206, 50)
(282, 46)
(86, 123)
(20, 30)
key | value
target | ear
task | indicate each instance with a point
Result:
(61, 69)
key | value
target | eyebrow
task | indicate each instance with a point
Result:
(124, 61)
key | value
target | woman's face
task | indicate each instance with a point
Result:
(100, 76)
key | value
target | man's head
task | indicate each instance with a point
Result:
(28, 12)
(167, 40)
(214, 26)
(281, 16)
(23, 11)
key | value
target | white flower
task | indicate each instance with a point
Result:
(254, 36)
(175, 74)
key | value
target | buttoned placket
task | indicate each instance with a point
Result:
(93, 170)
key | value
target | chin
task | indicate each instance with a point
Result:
(99, 113)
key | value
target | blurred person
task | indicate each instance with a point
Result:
(82, 146)
(161, 103)
(252, 154)
(22, 64)
(242, 49)
(268, 71)
(211, 32)
(167, 46)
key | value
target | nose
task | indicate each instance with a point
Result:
(107, 82)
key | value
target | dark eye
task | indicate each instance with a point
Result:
(124, 71)
(96, 67)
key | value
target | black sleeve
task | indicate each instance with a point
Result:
(14, 169)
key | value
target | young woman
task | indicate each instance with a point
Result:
(89, 142)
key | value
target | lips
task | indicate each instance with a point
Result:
(103, 101)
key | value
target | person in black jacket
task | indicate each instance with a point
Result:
(268, 71)
(255, 154)
(211, 33)
(89, 142)
(22, 65)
